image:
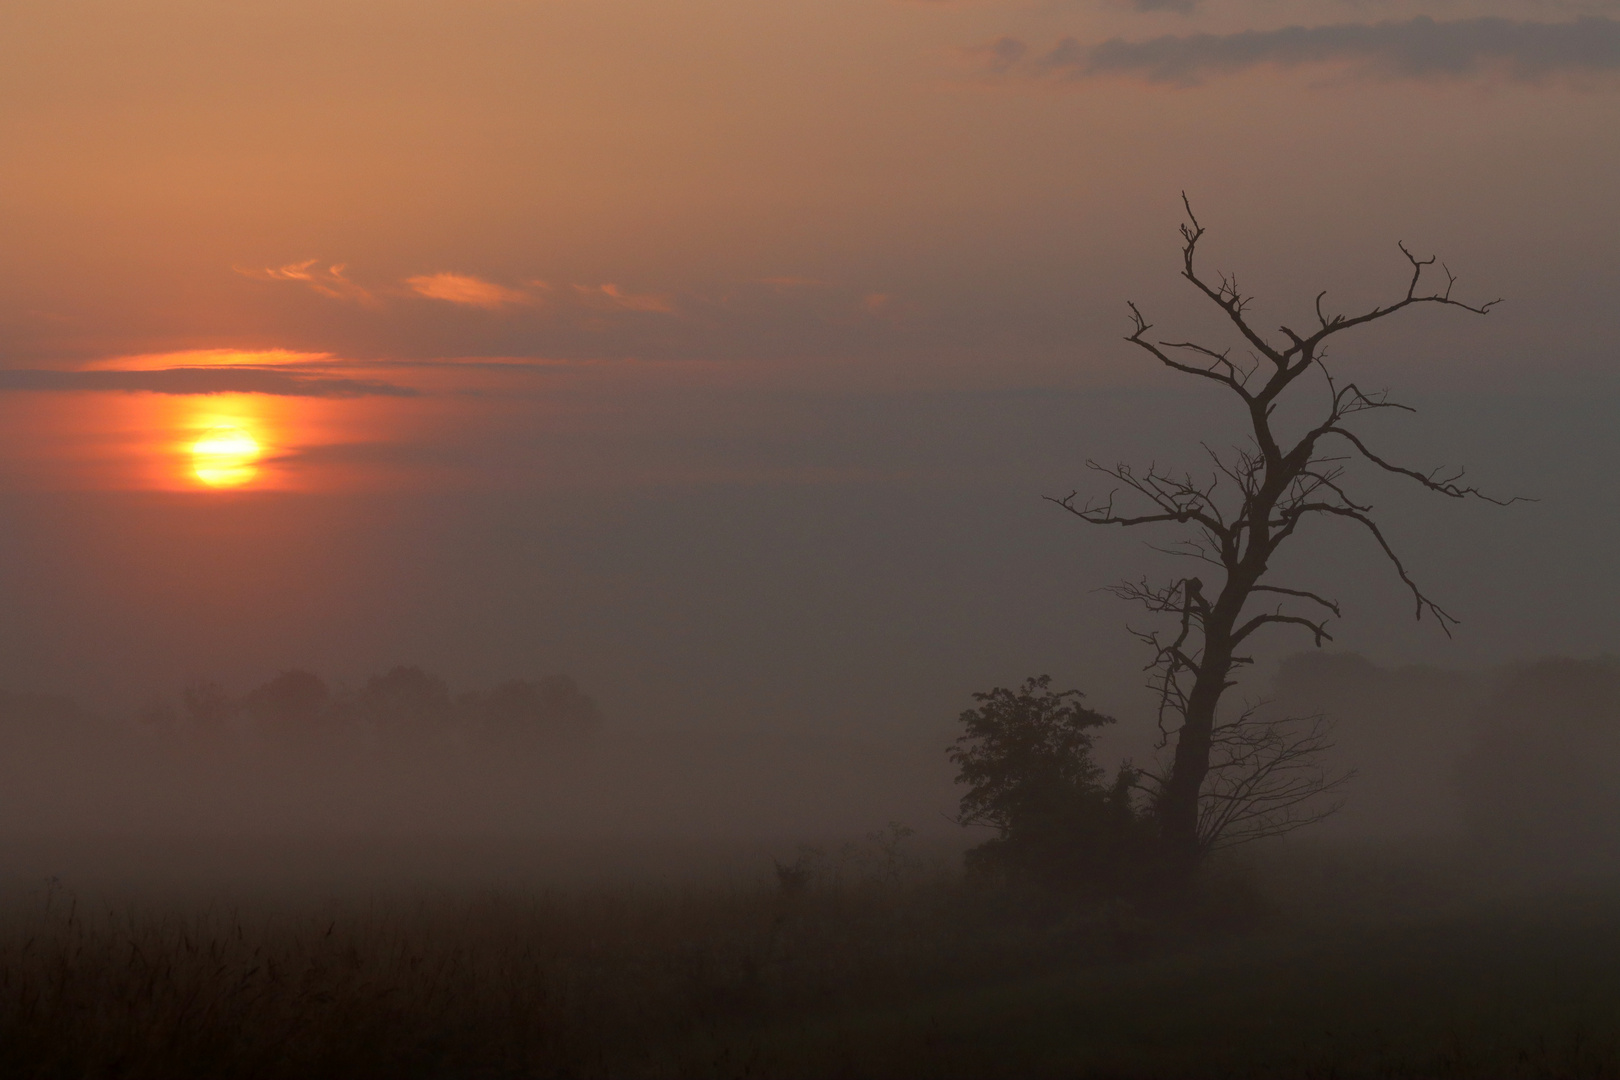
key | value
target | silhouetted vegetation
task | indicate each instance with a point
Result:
(1400, 730)
(405, 706)
(293, 700)
(294, 755)
(1026, 758)
(1367, 967)
(1523, 761)
(518, 712)
(607, 981)
(865, 958)
(1251, 503)
(1541, 779)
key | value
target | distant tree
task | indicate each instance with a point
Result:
(1253, 500)
(407, 704)
(523, 711)
(1026, 760)
(1541, 778)
(1400, 729)
(208, 707)
(292, 700)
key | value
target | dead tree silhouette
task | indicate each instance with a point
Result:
(1254, 500)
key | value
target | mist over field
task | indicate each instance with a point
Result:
(399, 876)
(1517, 764)
(867, 538)
(400, 781)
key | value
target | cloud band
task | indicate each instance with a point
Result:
(1419, 48)
(235, 380)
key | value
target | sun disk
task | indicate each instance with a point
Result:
(225, 457)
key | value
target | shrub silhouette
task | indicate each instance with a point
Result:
(1026, 759)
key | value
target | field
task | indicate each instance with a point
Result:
(1304, 963)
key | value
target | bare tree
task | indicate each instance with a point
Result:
(1252, 502)
(1267, 776)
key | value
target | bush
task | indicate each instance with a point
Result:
(1026, 758)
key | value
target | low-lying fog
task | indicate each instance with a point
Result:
(403, 778)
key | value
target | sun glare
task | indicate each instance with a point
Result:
(225, 457)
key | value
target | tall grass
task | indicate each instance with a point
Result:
(554, 983)
(861, 965)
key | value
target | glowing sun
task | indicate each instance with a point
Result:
(225, 457)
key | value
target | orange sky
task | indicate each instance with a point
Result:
(638, 249)
(855, 193)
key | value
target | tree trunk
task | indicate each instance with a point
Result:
(1178, 803)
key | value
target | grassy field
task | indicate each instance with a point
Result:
(1305, 966)
(1525, 990)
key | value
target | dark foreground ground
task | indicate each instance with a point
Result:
(1528, 990)
(1305, 963)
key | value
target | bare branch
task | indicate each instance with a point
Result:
(1445, 485)
(1180, 501)
(1267, 777)
(1329, 604)
(1441, 616)
(1338, 323)
(1187, 549)
(1317, 627)
(1104, 514)
(1140, 327)
(1350, 399)
(1235, 376)
(1309, 482)
(1225, 295)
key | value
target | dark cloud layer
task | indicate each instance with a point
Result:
(186, 380)
(1420, 48)
(1181, 7)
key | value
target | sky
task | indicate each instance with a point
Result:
(720, 353)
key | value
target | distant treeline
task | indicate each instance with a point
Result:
(405, 705)
(1525, 759)
(398, 752)
(402, 753)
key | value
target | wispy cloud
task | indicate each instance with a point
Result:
(328, 281)
(1180, 7)
(192, 358)
(613, 297)
(783, 284)
(466, 289)
(998, 56)
(1419, 48)
(201, 380)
